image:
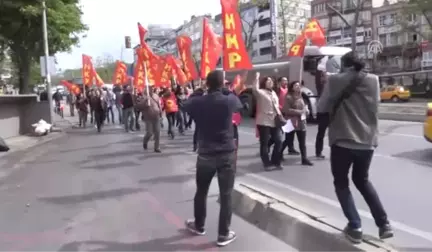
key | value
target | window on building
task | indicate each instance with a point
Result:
(413, 37)
(300, 26)
(264, 22)
(336, 22)
(382, 20)
(265, 36)
(263, 8)
(366, 16)
(367, 33)
(291, 24)
(324, 23)
(392, 19)
(265, 51)
(427, 56)
(394, 39)
(300, 12)
(412, 17)
(383, 39)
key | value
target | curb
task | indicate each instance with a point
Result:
(406, 117)
(44, 139)
(304, 230)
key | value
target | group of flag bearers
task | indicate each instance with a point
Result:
(213, 105)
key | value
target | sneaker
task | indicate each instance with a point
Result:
(293, 152)
(224, 240)
(306, 162)
(320, 156)
(385, 232)
(354, 235)
(157, 151)
(190, 225)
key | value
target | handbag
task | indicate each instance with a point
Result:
(346, 93)
(3, 146)
(280, 120)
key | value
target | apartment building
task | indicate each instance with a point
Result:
(338, 33)
(401, 45)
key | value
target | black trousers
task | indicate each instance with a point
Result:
(290, 144)
(265, 134)
(289, 140)
(341, 160)
(99, 117)
(171, 118)
(224, 165)
(323, 123)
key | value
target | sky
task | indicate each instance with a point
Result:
(109, 21)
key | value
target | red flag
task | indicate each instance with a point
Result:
(315, 33)
(211, 50)
(298, 46)
(73, 88)
(184, 44)
(120, 73)
(87, 70)
(177, 72)
(139, 73)
(151, 61)
(235, 55)
(166, 73)
(142, 32)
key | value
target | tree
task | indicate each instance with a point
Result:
(286, 9)
(417, 8)
(249, 24)
(358, 6)
(105, 67)
(20, 27)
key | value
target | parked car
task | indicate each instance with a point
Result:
(427, 125)
(395, 93)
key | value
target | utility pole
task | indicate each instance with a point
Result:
(47, 73)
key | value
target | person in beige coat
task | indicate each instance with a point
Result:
(267, 108)
(150, 106)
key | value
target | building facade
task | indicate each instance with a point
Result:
(338, 33)
(401, 43)
(292, 16)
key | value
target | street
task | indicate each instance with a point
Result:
(103, 192)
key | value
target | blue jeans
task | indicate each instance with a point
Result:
(341, 160)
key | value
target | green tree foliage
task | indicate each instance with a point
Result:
(417, 9)
(21, 31)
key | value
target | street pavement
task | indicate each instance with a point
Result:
(101, 192)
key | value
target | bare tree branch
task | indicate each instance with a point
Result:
(338, 13)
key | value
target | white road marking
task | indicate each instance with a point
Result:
(398, 225)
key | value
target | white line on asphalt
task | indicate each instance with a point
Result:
(398, 225)
(402, 135)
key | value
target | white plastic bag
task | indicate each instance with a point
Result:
(42, 128)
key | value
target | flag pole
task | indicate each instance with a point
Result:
(147, 84)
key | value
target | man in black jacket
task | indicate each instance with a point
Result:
(212, 114)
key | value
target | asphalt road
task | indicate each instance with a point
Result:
(87, 191)
(401, 172)
(103, 192)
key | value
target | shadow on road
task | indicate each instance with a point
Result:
(421, 157)
(173, 243)
(107, 166)
(100, 195)
(172, 179)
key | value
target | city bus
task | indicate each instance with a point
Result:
(316, 59)
(418, 82)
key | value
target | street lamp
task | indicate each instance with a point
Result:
(47, 73)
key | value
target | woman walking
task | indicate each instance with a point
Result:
(295, 110)
(267, 112)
